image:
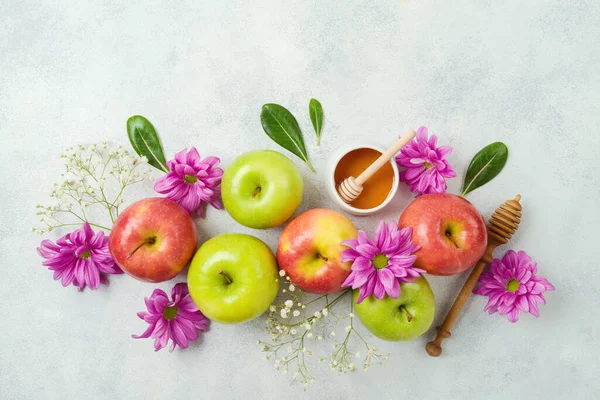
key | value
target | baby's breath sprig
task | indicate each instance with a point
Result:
(85, 185)
(298, 318)
(341, 358)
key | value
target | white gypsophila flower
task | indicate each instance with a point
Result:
(283, 313)
(272, 308)
(351, 315)
(281, 272)
(292, 287)
(347, 328)
(293, 331)
(317, 314)
(325, 312)
(309, 335)
(289, 303)
(296, 313)
(332, 333)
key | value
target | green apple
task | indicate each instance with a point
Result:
(401, 319)
(233, 278)
(261, 189)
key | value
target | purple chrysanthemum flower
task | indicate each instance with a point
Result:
(191, 181)
(379, 265)
(178, 319)
(80, 258)
(425, 167)
(512, 286)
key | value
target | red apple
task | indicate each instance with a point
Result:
(310, 249)
(153, 239)
(450, 231)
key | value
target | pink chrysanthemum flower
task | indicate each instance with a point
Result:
(192, 181)
(512, 286)
(379, 265)
(178, 319)
(80, 258)
(425, 165)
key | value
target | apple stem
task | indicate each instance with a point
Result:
(227, 278)
(405, 311)
(449, 236)
(321, 256)
(149, 240)
(256, 192)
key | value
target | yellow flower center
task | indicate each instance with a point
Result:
(513, 285)
(380, 261)
(85, 254)
(190, 179)
(170, 312)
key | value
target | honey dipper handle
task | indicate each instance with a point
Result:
(385, 157)
(434, 348)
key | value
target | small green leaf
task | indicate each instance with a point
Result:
(315, 110)
(485, 166)
(145, 141)
(281, 126)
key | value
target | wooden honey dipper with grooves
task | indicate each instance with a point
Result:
(502, 225)
(351, 187)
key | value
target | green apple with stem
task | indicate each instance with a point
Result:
(233, 278)
(261, 189)
(400, 319)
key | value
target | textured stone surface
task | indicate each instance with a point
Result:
(526, 73)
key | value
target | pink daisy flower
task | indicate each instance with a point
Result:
(379, 265)
(80, 258)
(191, 181)
(178, 319)
(425, 165)
(512, 286)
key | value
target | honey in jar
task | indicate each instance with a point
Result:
(377, 188)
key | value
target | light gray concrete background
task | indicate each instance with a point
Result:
(474, 72)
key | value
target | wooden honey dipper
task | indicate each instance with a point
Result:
(351, 187)
(502, 225)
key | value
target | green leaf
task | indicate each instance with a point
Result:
(485, 166)
(315, 110)
(145, 141)
(281, 126)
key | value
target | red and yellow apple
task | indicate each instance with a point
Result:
(310, 249)
(450, 231)
(153, 239)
